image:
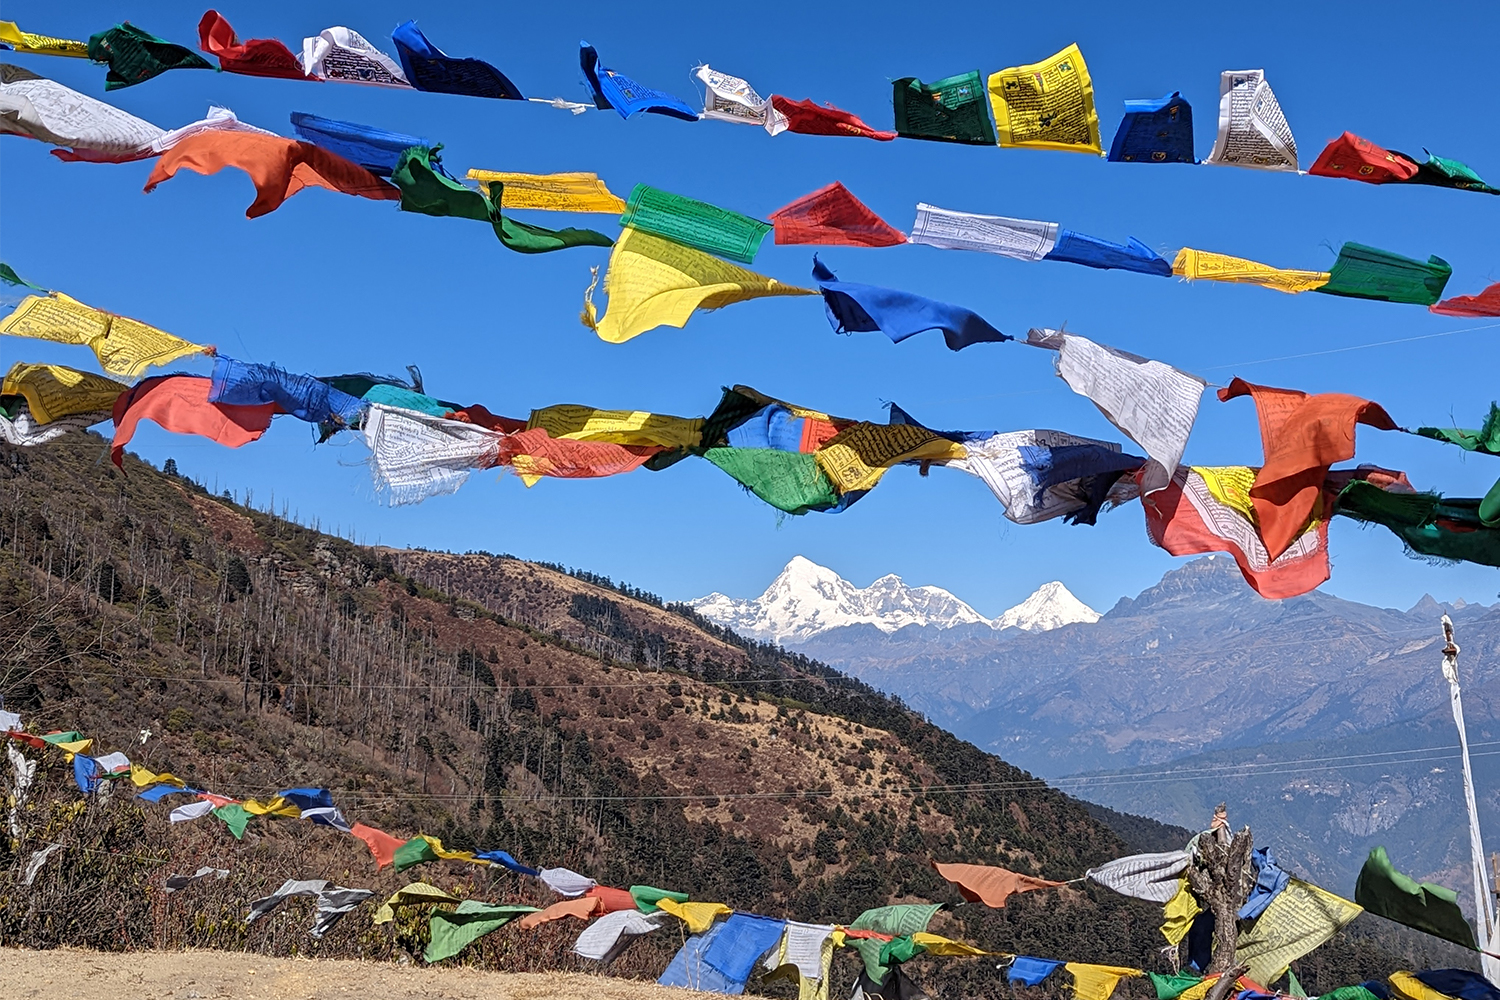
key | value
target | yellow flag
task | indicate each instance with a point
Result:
(1047, 105)
(1178, 914)
(77, 746)
(53, 392)
(41, 45)
(123, 346)
(1097, 982)
(654, 282)
(446, 854)
(276, 806)
(1405, 986)
(1198, 990)
(698, 917)
(551, 192)
(855, 458)
(1299, 919)
(1201, 264)
(807, 988)
(416, 892)
(142, 777)
(630, 427)
(936, 944)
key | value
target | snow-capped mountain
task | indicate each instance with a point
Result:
(807, 599)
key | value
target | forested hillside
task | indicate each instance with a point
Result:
(497, 704)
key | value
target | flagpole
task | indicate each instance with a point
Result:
(1484, 908)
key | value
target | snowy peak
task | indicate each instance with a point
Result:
(806, 599)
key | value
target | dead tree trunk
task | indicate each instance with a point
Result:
(1220, 877)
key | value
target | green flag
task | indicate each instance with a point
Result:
(235, 817)
(71, 736)
(135, 56)
(425, 189)
(10, 277)
(1171, 987)
(1363, 272)
(1486, 439)
(951, 110)
(901, 949)
(647, 896)
(414, 852)
(694, 223)
(787, 480)
(1453, 528)
(451, 931)
(1384, 891)
(1292, 986)
(1440, 171)
(525, 238)
(899, 919)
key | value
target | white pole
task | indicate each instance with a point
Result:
(1484, 907)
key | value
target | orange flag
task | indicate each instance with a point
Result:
(990, 885)
(179, 403)
(382, 845)
(583, 908)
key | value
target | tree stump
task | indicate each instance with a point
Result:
(1220, 877)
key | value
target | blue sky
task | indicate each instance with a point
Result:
(330, 283)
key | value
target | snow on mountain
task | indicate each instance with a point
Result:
(806, 599)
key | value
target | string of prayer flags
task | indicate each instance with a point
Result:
(824, 119)
(730, 99)
(1486, 303)
(990, 884)
(1209, 509)
(1097, 982)
(451, 931)
(124, 346)
(856, 308)
(53, 392)
(573, 192)
(382, 845)
(1252, 130)
(1361, 160)
(1030, 971)
(278, 167)
(611, 934)
(343, 54)
(243, 383)
(413, 894)
(832, 215)
(694, 223)
(949, 110)
(1301, 435)
(1439, 171)
(1432, 909)
(429, 69)
(523, 237)
(655, 282)
(620, 92)
(1091, 251)
(1363, 272)
(1156, 131)
(414, 456)
(375, 149)
(1298, 920)
(179, 404)
(257, 57)
(134, 56)
(1152, 402)
(1021, 239)
(1152, 877)
(1195, 265)
(40, 108)
(1047, 105)
(40, 45)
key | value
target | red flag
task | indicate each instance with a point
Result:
(832, 215)
(1361, 160)
(537, 453)
(382, 845)
(1486, 303)
(476, 413)
(279, 167)
(1301, 436)
(257, 57)
(812, 119)
(179, 403)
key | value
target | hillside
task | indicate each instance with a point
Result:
(494, 703)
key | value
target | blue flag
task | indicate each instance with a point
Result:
(86, 773)
(428, 68)
(241, 383)
(375, 149)
(504, 859)
(1030, 971)
(158, 792)
(856, 308)
(614, 90)
(308, 798)
(1269, 881)
(744, 939)
(1159, 131)
(1090, 251)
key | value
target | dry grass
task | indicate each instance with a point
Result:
(76, 974)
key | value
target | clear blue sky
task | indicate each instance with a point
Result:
(330, 283)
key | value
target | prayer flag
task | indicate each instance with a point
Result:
(1486, 439)
(697, 917)
(989, 884)
(43, 109)
(414, 455)
(20, 428)
(730, 99)
(1152, 877)
(566, 882)
(744, 939)
(1432, 909)
(426, 189)
(257, 57)
(1159, 131)
(789, 481)
(694, 223)
(628, 427)
(897, 919)
(655, 282)
(582, 908)
(534, 453)
(615, 90)
(1486, 303)
(134, 56)
(217, 120)
(1269, 881)
(611, 934)
(647, 896)
(1252, 130)
(1173, 986)
(832, 215)
(522, 237)
(1459, 983)
(1298, 920)
(1038, 475)
(451, 931)
(1440, 171)
(1363, 272)
(1361, 160)
(856, 308)
(245, 384)
(824, 119)
(575, 192)
(689, 969)
(382, 845)
(1178, 914)
(1301, 436)
(124, 346)
(343, 54)
(1022, 239)
(1047, 105)
(176, 883)
(504, 860)
(413, 894)
(428, 68)
(40, 45)
(53, 392)
(949, 110)
(1201, 264)
(1091, 251)
(611, 900)
(235, 817)
(279, 168)
(375, 149)
(179, 403)
(1030, 971)
(858, 456)
(1097, 982)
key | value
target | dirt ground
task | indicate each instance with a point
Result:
(73, 974)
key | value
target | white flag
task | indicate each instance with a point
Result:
(1252, 130)
(999, 461)
(730, 99)
(1023, 239)
(415, 456)
(43, 109)
(340, 53)
(1152, 877)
